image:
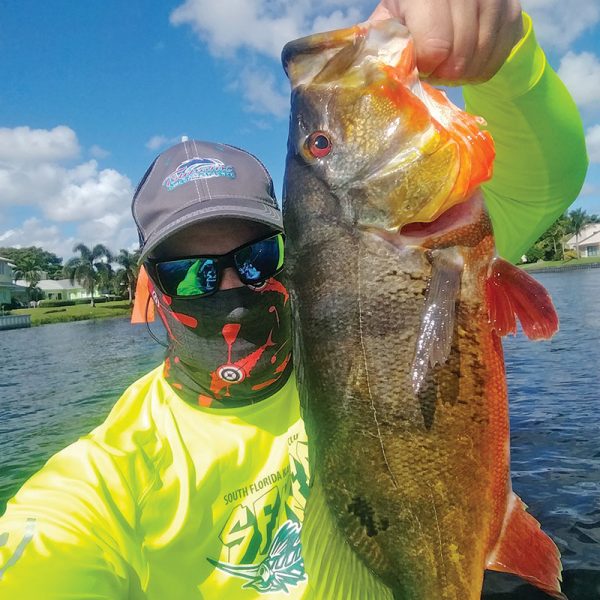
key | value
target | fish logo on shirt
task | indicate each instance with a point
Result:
(283, 566)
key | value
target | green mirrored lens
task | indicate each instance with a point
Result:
(188, 276)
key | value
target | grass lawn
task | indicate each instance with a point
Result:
(562, 263)
(80, 312)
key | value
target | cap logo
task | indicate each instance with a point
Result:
(198, 168)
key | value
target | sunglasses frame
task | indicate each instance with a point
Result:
(222, 261)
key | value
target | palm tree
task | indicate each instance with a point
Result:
(578, 219)
(90, 267)
(128, 274)
(29, 270)
(556, 235)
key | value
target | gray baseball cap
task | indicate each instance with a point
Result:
(197, 181)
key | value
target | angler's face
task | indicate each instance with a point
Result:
(212, 238)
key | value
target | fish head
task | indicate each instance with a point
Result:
(390, 149)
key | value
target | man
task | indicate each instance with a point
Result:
(195, 486)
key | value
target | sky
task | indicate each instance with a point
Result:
(92, 91)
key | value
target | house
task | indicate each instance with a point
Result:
(8, 289)
(61, 289)
(589, 240)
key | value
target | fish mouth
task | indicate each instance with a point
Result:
(435, 233)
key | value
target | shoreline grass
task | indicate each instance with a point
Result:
(561, 264)
(79, 312)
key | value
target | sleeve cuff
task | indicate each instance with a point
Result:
(521, 71)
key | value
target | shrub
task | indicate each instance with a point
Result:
(53, 303)
(77, 301)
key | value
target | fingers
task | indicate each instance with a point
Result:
(458, 41)
(500, 28)
(465, 19)
(431, 25)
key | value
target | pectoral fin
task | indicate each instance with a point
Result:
(525, 550)
(512, 293)
(437, 325)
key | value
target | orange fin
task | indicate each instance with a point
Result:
(143, 309)
(512, 293)
(525, 550)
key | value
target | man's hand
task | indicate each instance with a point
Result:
(458, 41)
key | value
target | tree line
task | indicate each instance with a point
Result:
(95, 268)
(551, 244)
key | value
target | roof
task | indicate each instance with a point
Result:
(51, 285)
(592, 240)
(588, 231)
(13, 287)
(7, 260)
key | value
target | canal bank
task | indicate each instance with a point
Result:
(558, 266)
(14, 322)
(79, 312)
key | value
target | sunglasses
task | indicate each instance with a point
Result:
(198, 276)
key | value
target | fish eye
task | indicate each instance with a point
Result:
(319, 144)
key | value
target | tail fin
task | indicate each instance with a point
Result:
(525, 550)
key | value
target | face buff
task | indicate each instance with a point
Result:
(230, 349)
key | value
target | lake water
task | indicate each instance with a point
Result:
(59, 381)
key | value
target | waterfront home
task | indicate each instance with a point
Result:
(61, 289)
(589, 240)
(8, 289)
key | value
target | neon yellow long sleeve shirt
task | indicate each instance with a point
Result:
(171, 501)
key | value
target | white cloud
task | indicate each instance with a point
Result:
(65, 194)
(96, 202)
(592, 141)
(230, 26)
(260, 89)
(23, 144)
(581, 75)
(98, 152)
(261, 28)
(34, 233)
(337, 20)
(87, 193)
(123, 235)
(590, 189)
(558, 23)
(157, 142)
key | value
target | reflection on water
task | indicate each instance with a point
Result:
(59, 381)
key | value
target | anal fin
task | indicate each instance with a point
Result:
(512, 293)
(525, 550)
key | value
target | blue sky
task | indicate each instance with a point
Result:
(92, 91)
